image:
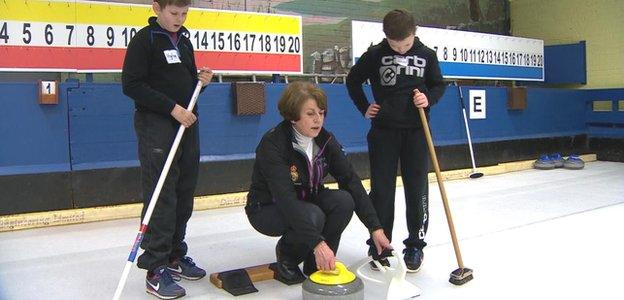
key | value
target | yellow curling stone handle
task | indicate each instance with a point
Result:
(340, 275)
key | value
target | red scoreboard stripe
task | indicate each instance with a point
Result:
(61, 58)
(112, 59)
(235, 61)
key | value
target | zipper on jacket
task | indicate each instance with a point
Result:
(305, 156)
(319, 169)
(175, 45)
(313, 181)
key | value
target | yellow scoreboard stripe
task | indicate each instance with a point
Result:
(113, 14)
(38, 11)
(231, 21)
(136, 16)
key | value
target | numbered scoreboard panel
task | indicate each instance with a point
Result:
(38, 34)
(93, 36)
(468, 55)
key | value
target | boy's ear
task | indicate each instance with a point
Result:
(156, 7)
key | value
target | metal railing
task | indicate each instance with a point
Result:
(318, 78)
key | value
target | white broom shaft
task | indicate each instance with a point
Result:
(163, 176)
(122, 280)
(154, 198)
(474, 167)
(461, 100)
(172, 152)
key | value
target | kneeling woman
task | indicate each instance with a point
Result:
(287, 197)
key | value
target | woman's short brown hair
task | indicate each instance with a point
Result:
(296, 94)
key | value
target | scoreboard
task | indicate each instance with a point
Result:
(468, 55)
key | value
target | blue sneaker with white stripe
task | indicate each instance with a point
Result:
(161, 284)
(557, 159)
(186, 268)
(413, 258)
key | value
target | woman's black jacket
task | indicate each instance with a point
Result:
(282, 174)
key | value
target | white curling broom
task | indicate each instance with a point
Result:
(154, 199)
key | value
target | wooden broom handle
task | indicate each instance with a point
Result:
(436, 167)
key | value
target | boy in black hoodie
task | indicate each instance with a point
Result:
(159, 74)
(404, 75)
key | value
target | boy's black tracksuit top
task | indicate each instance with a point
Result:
(153, 82)
(393, 78)
(283, 174)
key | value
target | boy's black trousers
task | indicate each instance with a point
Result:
(386, 147)
(164, 239)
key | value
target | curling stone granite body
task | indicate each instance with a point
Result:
(351, 291)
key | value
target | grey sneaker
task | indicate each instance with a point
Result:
(186, 268)
(544, 163)
(574, 162)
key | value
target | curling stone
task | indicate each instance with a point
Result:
(338, 285)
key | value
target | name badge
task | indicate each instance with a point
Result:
(401, 61)
(172, 56)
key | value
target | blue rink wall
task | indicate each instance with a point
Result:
(92, 128)
(82, 152)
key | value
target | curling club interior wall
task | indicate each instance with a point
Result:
(82, 151)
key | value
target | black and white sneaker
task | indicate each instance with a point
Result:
(381, 259)
(384, 262)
